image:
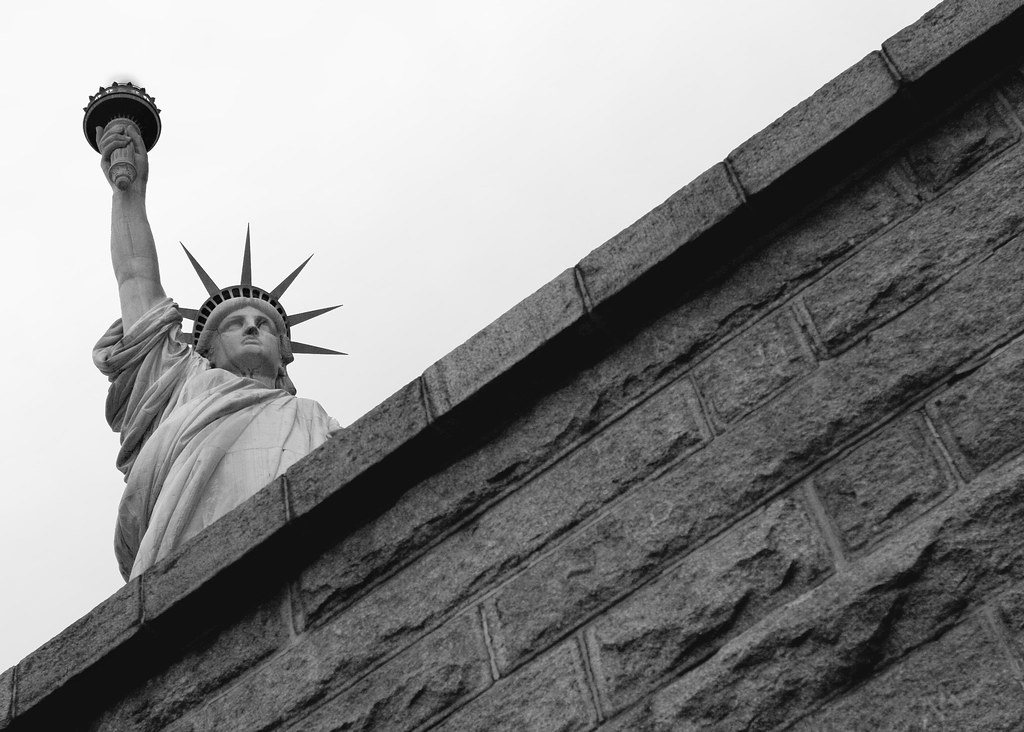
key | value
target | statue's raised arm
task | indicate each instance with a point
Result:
(132, 248)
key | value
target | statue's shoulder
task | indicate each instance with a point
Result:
(309, 405)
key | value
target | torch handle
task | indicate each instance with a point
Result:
(122, 171)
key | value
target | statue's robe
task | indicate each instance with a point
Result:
(196, 441)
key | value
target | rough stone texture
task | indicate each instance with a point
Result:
(376, 434)
(548, 695)
(661, 429)
(961, 681)
(798, 254)
(421, 681)
(434, 676)
(907, 262)
(883, 484)
(961, 143)
(215, 548)
(579, 578)
(1009, 612)
(942, 31)
(1007, 619)
(185, 725)
(778, 443)
(813, 123)
(717, 592)
(752, 368)
(856, 623)
(983, 415)
(217, 658)
(81, 644)
(511, 338)
(6, 696)
(687, 214)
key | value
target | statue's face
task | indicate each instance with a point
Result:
(247, 344)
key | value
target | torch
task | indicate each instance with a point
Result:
(122, 104)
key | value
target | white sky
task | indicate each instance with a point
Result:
(442, 159)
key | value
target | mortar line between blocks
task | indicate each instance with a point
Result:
(666, 680)
(825, 525)
(337, 691)
(918, 402)
(488, 643)
(668, 566)
(810, 338)
(581, 289)
(286, 496)
(589, 677)
(891, 67)
(962, 270)
(914, 209)
(428, 408)
(703, 411)
(938, 445)
(629, 496)
(907, 184)
(142, 600)
(776, 306)
(1008, 109)
(13, 711)
(921, 402)
(679, 672)
(734, 179)
(296, 618)
(430, 723)
(1001, 635)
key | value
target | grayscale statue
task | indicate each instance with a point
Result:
(208, 418)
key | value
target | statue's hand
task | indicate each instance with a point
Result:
(121, 136)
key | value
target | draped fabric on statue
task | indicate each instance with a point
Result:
(196, 441)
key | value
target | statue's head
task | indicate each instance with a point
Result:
(245, 330)
(246, 335)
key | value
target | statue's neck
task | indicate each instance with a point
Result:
(256, 375)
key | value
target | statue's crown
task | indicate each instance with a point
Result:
(245, 289)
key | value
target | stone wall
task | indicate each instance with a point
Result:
(755, 463)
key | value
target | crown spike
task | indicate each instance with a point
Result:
(246, 261)
(317, 350)
(286, 283)
(309, 315)
(188, 313)
(208, 283)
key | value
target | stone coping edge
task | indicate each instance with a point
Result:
(670, 253)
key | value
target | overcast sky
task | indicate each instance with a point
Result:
(443, 160)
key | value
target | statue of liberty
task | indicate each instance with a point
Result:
(206, 419)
